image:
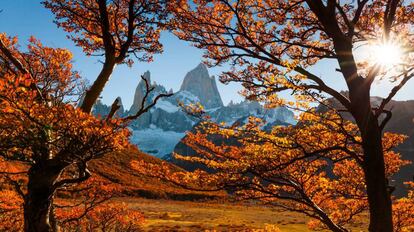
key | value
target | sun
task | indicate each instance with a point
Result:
(387, 55)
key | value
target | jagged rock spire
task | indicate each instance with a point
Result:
(199, 83)
(139, 93)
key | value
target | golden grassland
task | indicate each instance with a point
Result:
(168, 215)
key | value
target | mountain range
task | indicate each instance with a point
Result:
(160, 130)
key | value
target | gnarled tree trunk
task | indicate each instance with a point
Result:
(39, 197)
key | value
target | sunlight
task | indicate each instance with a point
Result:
(387, 55)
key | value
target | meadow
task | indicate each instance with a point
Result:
(169, 215)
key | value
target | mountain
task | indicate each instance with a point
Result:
(158, 131)
(236, 111)
(200, 84)
(102, 110)
(139, 93)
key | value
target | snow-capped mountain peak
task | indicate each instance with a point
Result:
(157, 131)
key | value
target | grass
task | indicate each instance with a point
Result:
(168, 215)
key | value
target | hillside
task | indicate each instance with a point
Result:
(116, 168)
(402, 122)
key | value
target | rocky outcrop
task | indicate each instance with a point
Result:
(200, 84)
(121, 110)
(102, 110)
(140, 93)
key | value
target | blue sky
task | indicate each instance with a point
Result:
(24, 18)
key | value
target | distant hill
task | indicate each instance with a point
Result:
(116, 168)
(402, 122)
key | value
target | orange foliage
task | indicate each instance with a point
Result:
(43, 135)
(313, 168)
(105, 217)
(403, 213)
(131, 26)
(271, 46)
(11, 217)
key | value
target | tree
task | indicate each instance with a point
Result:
(81, 207)
(272, 45)
(313, 168)
(114, 29)
(42, 129)
(42, 133)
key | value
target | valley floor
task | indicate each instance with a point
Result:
(167, 215)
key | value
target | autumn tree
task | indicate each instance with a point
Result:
(272, 45)
(113, 29)
(313, 168)
(42, 133)
(42, 128)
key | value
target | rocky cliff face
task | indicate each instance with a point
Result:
(200, 84)
(139, 93)
(102, 110)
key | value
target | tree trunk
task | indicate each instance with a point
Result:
(95, 90)
(379, 198)
(39, 197)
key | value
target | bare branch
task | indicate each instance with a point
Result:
(144, 108)
(393, 92)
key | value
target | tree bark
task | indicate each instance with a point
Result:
(379, 198)
(96, 89)
(39, 197)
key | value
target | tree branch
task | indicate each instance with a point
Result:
(144, 108)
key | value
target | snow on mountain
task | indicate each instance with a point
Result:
(186, 97)
(167, 106)
(159, 130)
(156, 141)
